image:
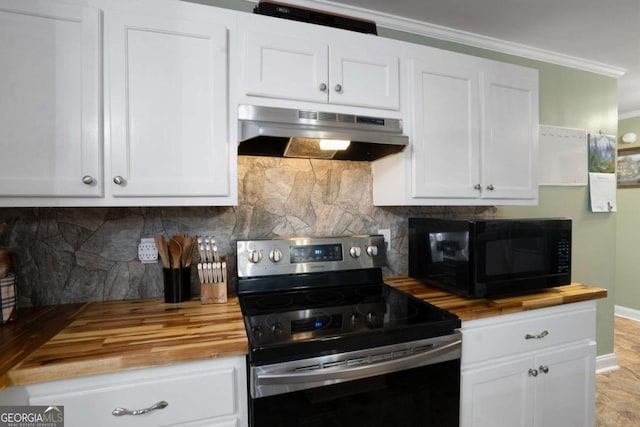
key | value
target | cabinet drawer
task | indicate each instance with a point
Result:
(199, 391)
(512, 334)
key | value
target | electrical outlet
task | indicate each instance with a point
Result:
(387, 237)
(147, 250)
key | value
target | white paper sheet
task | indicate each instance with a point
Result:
(563, 156)
(602, 192)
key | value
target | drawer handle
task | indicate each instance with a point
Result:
(544, 369)
(118, 412)
(533, 373)
(536, 337)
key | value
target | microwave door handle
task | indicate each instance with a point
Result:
(441, 353)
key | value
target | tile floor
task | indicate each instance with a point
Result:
(618, 392)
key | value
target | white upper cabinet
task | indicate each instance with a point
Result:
(365, 74)
(285, 67)
(446, 137)
(510, 132)
(474, 134)
(288, 60)
(141, 122)
(168, 106)
(50, 124)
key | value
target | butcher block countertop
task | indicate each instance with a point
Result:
(113, 336)
(470, 309)
(73, 340)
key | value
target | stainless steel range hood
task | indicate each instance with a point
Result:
(282, 132)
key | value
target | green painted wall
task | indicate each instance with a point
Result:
(628, 233)
(577, 99)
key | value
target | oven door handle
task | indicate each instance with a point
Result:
(437, 354)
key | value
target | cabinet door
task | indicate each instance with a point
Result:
(565, 387)
(510, 132)
(364, 76)
(50, 133)
(285, 67)
(168, 106)
(498, 396)
(445, 123)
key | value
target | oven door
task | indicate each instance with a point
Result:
(411, 384)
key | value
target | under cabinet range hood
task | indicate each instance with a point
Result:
(283, 132)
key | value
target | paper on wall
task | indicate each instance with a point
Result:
(602, 192)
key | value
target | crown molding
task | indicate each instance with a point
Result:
(629, 115)
(413, 26)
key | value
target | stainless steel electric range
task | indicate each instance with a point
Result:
(332, 345)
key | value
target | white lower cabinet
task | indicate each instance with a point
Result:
(204, 393)
(522, 369)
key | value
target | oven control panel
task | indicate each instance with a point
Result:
(267, 257)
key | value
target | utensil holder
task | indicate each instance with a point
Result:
(215, 292)
(177, 284)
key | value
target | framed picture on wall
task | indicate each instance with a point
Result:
(602, 152)
(629, 167)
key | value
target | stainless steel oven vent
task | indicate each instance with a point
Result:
(282, 132)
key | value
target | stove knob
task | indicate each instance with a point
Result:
(275, 255)
(257, 331)
(354, 319)
(276, 328)
(371, 318)
(354, 252)
(372, 250)
(255, 256)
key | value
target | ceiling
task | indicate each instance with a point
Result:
(602, 32)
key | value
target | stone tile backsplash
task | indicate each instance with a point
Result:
(90, 254)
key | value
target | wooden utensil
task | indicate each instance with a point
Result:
(175, 250)
(163, 251)
(186, 251)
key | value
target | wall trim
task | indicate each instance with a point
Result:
(627, 313)
(606, 363)
(414, 26)
(629, 115)
(609, 362)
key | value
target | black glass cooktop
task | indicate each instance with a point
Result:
(288, 325)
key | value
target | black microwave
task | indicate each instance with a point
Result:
(492, 257)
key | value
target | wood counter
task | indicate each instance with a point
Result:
(74, 340)
(470, 309)
(113, 336)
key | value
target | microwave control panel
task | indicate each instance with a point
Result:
(564, 255)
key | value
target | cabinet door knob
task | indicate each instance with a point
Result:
(87, 179)
(118, 180)
(477, 187)
(338, 88)
(118, 412)
(544, 369)
(323, 86)
(490, 187)
(533, 372)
